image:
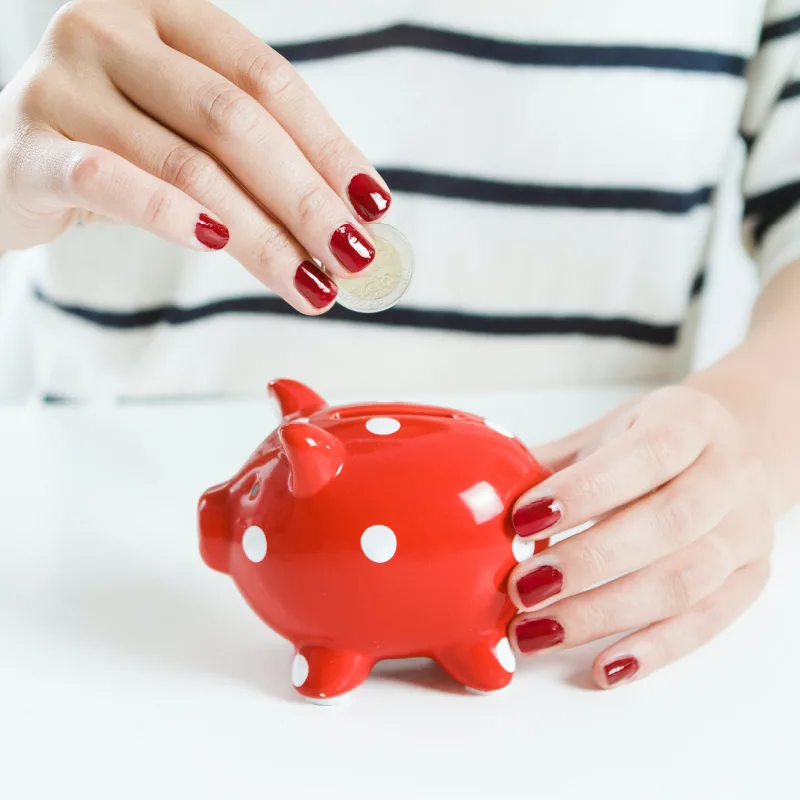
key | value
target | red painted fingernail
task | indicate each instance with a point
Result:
(315, 285)
(537, 516)
(621, 670)
(536, 586)
(351, 248)
(211, 232)
(539, 634)
(369, 198)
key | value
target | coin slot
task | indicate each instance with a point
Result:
(396, 410)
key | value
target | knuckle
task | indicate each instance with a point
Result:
(595, 562)
(661, 452)
(42, 94)
(596, 619)
(188, 169)
(77, 23)
(681, 588)
(274, 244)
(675, 518)
(311, 204)
(587, 490)
(69, 18)
(226, 110)
(333, 151)
(269, 75)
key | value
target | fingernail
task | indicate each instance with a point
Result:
(537, 516)
(536, 586)
(351, 248)
(621, 670)
(211, 233)
(315, 285)
(539, 634)
(369, 198)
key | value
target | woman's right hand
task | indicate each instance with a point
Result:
(171, 116)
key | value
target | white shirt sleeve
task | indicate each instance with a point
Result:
(771, 129)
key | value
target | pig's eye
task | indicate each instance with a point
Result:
(254, 491)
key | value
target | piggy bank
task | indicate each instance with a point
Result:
(377, 531)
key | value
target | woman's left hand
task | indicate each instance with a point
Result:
(681, 546)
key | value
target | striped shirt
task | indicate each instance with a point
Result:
(554, 165)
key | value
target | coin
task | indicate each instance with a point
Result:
(386, 279)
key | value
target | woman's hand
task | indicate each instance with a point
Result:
(681, 546)
(169, 115)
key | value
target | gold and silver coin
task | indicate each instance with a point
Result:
(386, 279)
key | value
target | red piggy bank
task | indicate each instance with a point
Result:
(367, 532)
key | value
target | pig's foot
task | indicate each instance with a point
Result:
(323, 676)
(483, 665)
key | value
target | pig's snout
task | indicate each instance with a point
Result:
(212, 517)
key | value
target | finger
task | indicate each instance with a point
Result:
(98, 184)
(674, 516)
(660, 591)
(258, 242)
(558, 454)
(104, 183)
(206, 109)
(660, 438)
(241, 57)
(645, 651)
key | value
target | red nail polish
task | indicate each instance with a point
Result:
(369, 198)
(539, 634)
(537, 516)
(211, 233)
(536, 586)
(351, 248)
(315, 285)
(621, 670)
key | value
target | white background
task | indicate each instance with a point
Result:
(130, 670)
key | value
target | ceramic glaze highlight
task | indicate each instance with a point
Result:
(375, 531)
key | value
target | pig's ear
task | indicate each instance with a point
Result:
(293, 397)
(315, 457)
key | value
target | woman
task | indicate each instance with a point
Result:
(554, 166)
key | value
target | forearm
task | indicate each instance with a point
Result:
(759, 382)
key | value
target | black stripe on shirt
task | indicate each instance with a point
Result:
(633, 330)
(777, 30)
(768, 208)
(510, 52)
(790, 90)
(541, 195)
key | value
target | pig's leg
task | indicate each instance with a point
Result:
(482, 665)
(323, 675)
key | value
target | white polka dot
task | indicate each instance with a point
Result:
(378, 543)
(254, 543)
(299, 670)
(329, 701)
(499, 429)
(482, 693)
(505, 655)
(523, 548)
(383, 426)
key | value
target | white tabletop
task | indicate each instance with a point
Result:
(129, 669)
